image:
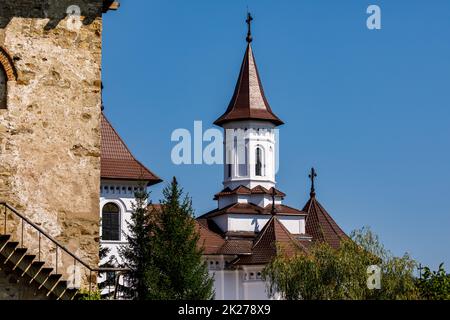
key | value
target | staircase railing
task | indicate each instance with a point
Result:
(111, 292)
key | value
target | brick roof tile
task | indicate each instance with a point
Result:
(117, 162)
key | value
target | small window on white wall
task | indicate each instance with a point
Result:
(229, 163)
(111, 222)
(259, 164)
(243, 163)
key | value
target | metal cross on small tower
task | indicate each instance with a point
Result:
(274, 210)
(420, 268)
(313, 176)
(249, 23)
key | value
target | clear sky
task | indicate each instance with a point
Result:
(369, 109)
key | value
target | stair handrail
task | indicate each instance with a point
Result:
(56, 242)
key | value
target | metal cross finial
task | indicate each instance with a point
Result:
(313, 176)
(249, 23)
(420, 268)
(274, 210)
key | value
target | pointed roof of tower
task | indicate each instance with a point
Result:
(249, 101)
(273, 239)
(319, 224)
(117, 162)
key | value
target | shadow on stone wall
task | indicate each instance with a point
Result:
(54, 10)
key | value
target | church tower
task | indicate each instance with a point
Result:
(249, 123)
(251, 225)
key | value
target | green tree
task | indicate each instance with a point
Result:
(325, 273)
(178, 271)
(435, 285)
(109, 278)
(137, 253)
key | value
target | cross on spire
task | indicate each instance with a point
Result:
(313, 176)
(274, 210)
(249, 23)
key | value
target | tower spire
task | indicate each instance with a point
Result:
(313, 176)
(249, 24)
(249, 101)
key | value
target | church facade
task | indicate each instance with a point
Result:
(251, 225)
(121, 176)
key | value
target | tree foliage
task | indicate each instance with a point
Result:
(137, 253)
(162, 251)
(325, 273)
(435, 285)
(179, 272)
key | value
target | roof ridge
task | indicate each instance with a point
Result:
(118, 135)
(109, 135)
(330, 220)
(263, 231)
(289, 234)
(241, 74)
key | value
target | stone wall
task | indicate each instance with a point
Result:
(50, 131)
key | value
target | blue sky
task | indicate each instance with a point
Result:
(368, 109)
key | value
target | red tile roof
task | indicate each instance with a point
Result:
(274, 239)
(209, 241)
(251, 208)
(237, 247)
(249, 101)
(242, 190)
(117, 162)
(249, 247)
(321, 226)
(260, 248)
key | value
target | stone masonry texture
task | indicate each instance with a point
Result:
(50, 130)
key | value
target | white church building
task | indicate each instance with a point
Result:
(121, 176)
(250, 223)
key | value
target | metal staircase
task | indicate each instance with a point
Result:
(25, 265)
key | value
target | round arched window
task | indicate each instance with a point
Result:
(259, 165)
(111, 222)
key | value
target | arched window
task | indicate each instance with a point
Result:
(229, 162)
(259, 162)
(243, 158)
(3, 84)
(111, 222)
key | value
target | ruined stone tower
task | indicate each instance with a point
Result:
(50, 113)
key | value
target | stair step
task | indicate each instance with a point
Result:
(26, 262)
(69, 294)
(60, 288)
(17, 256)
(4, 240)
(9, 249)
(43, 275)
(51, 282)
(34, 269)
